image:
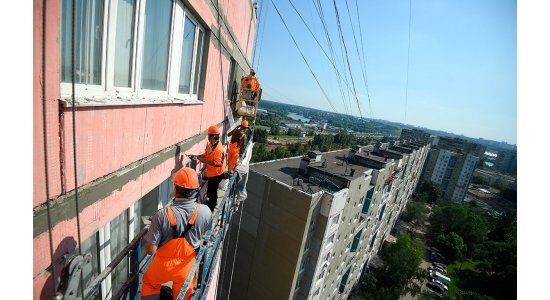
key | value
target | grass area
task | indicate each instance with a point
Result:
(464, 276)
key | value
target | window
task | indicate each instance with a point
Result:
(88, 41)
(119, 240)
(336, 219)
(125, 52)
(330, 240)
(89, 271)
(156, 43)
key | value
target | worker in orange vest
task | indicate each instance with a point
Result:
(250, 86)
(174, 237)
(214, 158)
(234, 149)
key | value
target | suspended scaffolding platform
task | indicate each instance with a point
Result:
(249, 96)
(207, 262)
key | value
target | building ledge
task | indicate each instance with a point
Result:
(125, 101)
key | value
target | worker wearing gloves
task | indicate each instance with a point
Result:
(214, 158)
(244, 129)
(235, 149)
(174, 237)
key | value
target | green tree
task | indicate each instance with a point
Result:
(415, 212)
(260, 136)
(434, 191)
(451, 245)
(402, 259)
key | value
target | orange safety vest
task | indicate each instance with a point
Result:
(217, 155)
(233, 155)
(250, 82)
(172, 262)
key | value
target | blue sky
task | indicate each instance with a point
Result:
(462, 71)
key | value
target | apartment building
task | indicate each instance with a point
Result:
(310, 224)
(451, 163)
(148, 78)
(507, 161)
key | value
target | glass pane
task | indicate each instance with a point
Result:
(119, 240)
(187, 56)
(158, 14)
(147, 207)
(90, 271)
(198, 63)
(124, 40)
(88, 41)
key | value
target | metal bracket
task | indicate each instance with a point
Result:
(70, 277)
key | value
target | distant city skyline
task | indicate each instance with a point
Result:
(462, 68)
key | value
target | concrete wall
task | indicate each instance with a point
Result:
(271, 241)
(122, 151)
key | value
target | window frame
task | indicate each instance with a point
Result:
(107, 89)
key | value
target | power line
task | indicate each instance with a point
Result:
(305, 60)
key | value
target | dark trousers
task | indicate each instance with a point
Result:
(212, 190)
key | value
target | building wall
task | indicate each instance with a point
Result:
(337, 237)
(123, 151)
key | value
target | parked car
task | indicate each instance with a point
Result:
(435, 287)
(437, 275)
(442, 266)
(438, 268)
(444, 286)
(437, 295)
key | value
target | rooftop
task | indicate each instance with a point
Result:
(331, 171)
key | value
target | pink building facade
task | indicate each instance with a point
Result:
(149, 77)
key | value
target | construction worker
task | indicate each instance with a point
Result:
(250, 86)
(244, 129)
(234, 149)
(214, 158)
(174, 237)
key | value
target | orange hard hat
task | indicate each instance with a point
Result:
(186, 178)
(213, 130)
(244, 123)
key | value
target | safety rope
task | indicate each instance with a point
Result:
(235, 252)
(73, 109)
(45, 137)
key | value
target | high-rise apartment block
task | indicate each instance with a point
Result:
(507, 161)
(310, 224)
(414, 134)
(451, 163)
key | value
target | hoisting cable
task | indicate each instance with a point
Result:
(262, 36)
(45, 137)
(363, 71)
(73, 72)
(258, 23)
(363, 52)
(322, 49)
(339, 79)
(408, 60)
(303, 57)
(236, 243)
(221, 64)
(346, 55)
